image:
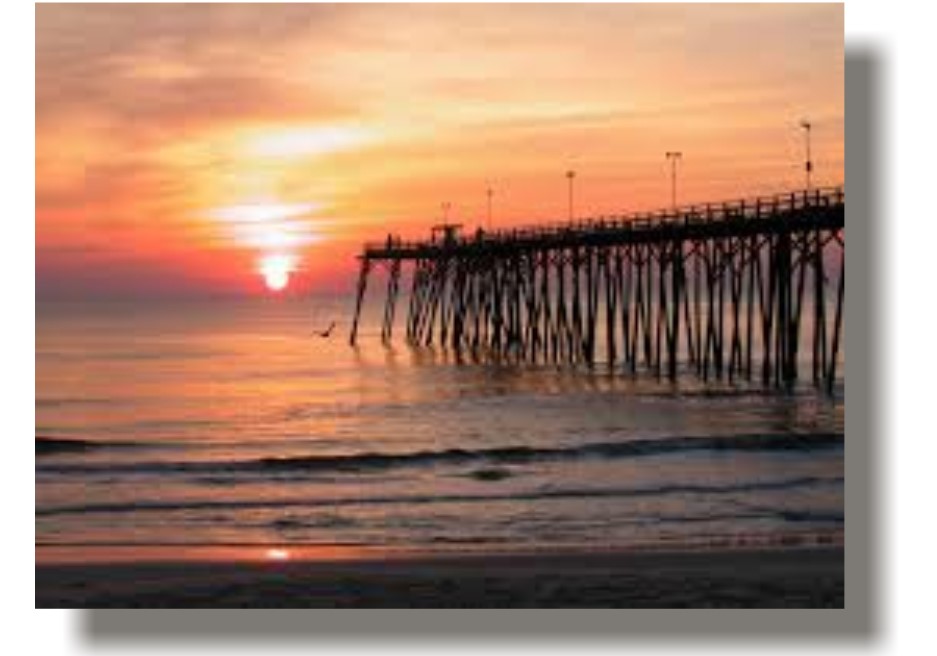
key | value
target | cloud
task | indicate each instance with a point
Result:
(152, 67)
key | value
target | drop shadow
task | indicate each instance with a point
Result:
(865, 314)
(861, 620)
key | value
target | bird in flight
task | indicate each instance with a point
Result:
(327, 332)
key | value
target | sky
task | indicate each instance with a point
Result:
(226, 150)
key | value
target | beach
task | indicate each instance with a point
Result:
(810, 577)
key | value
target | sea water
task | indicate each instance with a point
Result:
(234, 423)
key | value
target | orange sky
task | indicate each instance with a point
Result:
(188, 149)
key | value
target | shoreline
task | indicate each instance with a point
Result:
(800, 576)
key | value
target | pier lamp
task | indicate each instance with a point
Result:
(808, 164)
(570, 175)
(490, 192)
(673, 156)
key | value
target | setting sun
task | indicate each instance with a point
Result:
(276, 270)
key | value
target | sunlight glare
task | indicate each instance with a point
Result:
(276, 270)
(272, 228)
(304, 141)
(263, 212)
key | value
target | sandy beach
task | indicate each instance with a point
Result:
(766, 578)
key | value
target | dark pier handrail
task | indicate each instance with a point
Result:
(604, 229)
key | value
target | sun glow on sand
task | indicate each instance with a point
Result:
(278, 554)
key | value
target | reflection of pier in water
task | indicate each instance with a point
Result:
(717, 287)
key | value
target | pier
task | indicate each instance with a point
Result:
(729, 290)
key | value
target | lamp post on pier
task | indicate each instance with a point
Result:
(808, 164)
(490, 193)
(570, 175)
(673, 156)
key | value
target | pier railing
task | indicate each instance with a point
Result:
(759, 208)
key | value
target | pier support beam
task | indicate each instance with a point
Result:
(362, 286)
(393, 284)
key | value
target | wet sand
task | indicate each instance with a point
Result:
(764, 578)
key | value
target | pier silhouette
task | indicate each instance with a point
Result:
(719, 288)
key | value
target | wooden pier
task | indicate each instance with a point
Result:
(718, 288)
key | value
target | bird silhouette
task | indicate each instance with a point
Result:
(327, 332)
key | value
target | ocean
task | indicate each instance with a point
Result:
(182, 424)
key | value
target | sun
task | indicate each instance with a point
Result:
(276, 270)
(276, 280)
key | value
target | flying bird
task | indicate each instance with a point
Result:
(327, 332)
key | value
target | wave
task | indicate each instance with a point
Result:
(61, 402)
(490, 474)
(56, 445)
(534, 495)
(510, 455)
